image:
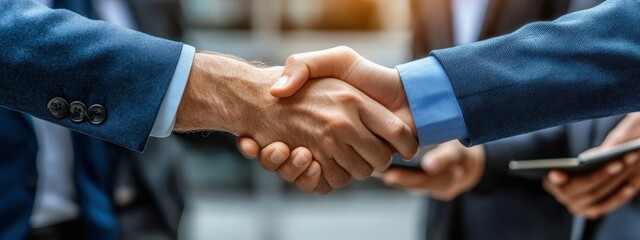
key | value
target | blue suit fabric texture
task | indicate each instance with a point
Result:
(584, 65)
(89, 56)
(92, 176)
(57, 53)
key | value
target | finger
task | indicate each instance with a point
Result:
(323, 186)
(333, 173)
(579, 185)
(333, 62)
(631, 158)
(402, 178)
(385, 124)
(297, 163)
(351, 161)
(610, 204)
(554, 190)
(372, 149)
(310, 179)
(557, 177)
(273, 155)
(582, 202)
(248, 147)
(440, 158)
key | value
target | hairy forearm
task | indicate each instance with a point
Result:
(219, 91)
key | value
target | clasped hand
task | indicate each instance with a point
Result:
(378, 126)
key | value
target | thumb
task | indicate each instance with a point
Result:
(299, 68)
(294, 76)
(439, 159)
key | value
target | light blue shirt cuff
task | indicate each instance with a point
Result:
(167, 115)
(434, 106)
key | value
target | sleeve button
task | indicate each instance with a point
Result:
(58, 107)
(77, 111)
(97, 114)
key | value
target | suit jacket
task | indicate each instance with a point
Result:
(433, 29)
(92, 176)
(99, 170)
(531, 212)
(503, 206)
(56, 53)
(152, 202)
(152, 211)
(583, 65)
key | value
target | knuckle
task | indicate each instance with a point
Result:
(304, 186)
(345, 50)
(363, 173)
(381, 161)
(323, 189)
(339, 181)
(267, 165)
(287, 176)
(294, 58)
(348, 97)
(340, 124)
(329, 142)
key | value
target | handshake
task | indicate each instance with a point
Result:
(344, 115)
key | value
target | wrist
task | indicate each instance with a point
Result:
(215, 97)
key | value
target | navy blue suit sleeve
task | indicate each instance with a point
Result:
(581, 66)
(546, 143)
(56, 53)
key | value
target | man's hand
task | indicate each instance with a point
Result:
(336, 122)
(600, 192)
(449, 170)
(297, 166)
(378, 82)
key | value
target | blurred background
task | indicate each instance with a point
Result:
(229, 197)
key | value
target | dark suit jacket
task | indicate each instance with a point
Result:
(56, 53)
(99, 170)
(153, 208)
(583, 65)
(503, 206)
(92, 175)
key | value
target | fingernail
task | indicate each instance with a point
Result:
(281, 82)
(313, 169)
(299, 160)
(614, 168)
(243, 148)
(277, 157)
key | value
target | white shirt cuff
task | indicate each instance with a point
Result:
(166, 118)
